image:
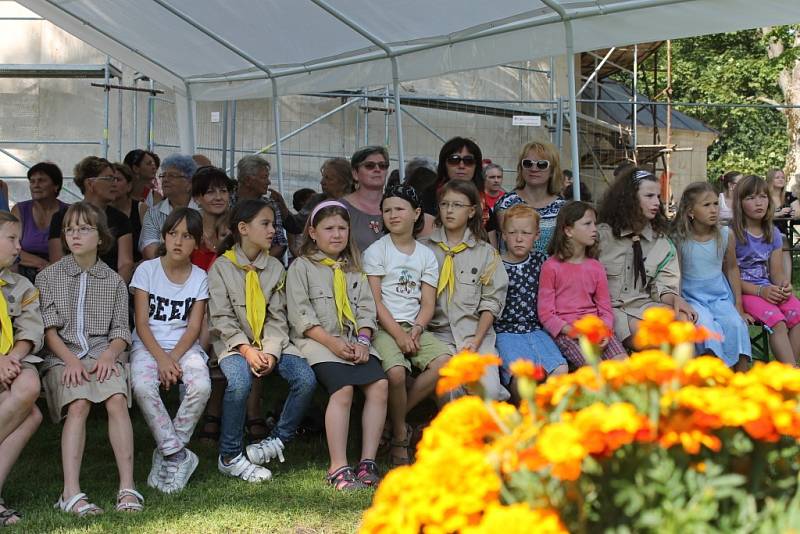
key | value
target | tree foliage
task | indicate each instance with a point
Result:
(732, 68)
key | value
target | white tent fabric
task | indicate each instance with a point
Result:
(320, 45)
(254, 48)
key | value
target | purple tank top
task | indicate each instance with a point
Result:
(34, 240)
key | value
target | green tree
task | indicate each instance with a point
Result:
(732, 68)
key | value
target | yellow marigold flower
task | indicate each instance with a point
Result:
(463, 369)
(518, 519)
(527, 369)
(592, 328)
(446, 491)
(561, 445)
(465, 422)
(653, 366)
(553, 391)
(706, 370)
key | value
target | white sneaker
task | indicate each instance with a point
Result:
(153, 479)
(242, 468)
(177, 474)
(265, 450)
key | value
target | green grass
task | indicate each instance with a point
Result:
(297, 500)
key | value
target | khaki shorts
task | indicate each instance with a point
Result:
(391, 355)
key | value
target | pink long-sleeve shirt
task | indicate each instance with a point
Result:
(569, 291)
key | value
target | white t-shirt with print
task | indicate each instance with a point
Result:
(169, 303)
(403, 276)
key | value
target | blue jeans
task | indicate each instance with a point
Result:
(302, 384)
(536, 346)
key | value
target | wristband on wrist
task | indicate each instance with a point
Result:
(364, 340)
(417, 325)
(758, 291)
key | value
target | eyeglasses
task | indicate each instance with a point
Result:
(540, 164)
(371, 165)
(170, 176)
(113, 178)
(79, 230)
(455, 159)
(445, 205)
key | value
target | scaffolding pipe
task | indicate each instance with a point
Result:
(233, 138)
(47, 142)
(276, 118)
(424, 125)
(635, 114)
(308, 125)
(597, 68)
(560, 124)
(366, 119)
(119, 124)
(225, 135)
(106, 79)
(552, 95)
(135, 95)
(15, 158)
(151, 110)
(398, 120)
(386, 117)
(573, 107)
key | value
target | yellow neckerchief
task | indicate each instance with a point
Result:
(6, 330)
(343, 309)
(255, 303)
(447, 278)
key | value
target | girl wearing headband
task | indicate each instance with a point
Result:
(640, 260)
(247, 316)
(332, 320)
(403, 274)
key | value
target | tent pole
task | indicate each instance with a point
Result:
(106, 109)
(573, 114)
(276, 117)
(398, 120)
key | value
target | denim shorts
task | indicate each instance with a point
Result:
(536, 346)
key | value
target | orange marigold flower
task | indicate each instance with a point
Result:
(527, 369)
(463, 369)
(687, 332)
(706, 370)
(591, 327)
(680, 429)
(654, 329)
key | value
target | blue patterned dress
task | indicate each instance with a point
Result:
(547, 214)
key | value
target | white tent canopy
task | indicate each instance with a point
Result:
(254, 48)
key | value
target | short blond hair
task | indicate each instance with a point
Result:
(520, 211)
(548, 152)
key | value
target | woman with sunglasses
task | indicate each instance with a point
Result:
(144, 165)
(538, 185)
(370, 165)
(459, 159)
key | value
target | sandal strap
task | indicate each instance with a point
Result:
(69, 504)
(344, 473)
(134, 506)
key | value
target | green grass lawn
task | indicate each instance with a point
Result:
(297, 500)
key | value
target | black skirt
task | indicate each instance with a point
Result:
(334, 376)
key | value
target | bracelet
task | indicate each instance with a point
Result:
(422, 328)
(758, 291)
(363, 340)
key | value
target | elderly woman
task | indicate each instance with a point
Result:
(100, 187)
(176, 175)
(538, 185)
(144, 165)
(369, 166)
(45, 180)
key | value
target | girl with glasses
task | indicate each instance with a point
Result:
(472, 284)
(538, 186)
(85, 311)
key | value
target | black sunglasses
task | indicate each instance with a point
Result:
(370, 165)
(455, 159)
(541, 164)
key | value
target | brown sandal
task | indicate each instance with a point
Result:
(396, 460)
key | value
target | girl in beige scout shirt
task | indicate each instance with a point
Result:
(85, 311)
(247, 316)
(332, 318)
(642, 265)
(21, 334)
(472, 285)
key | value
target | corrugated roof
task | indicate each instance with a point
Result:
(621, 113)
